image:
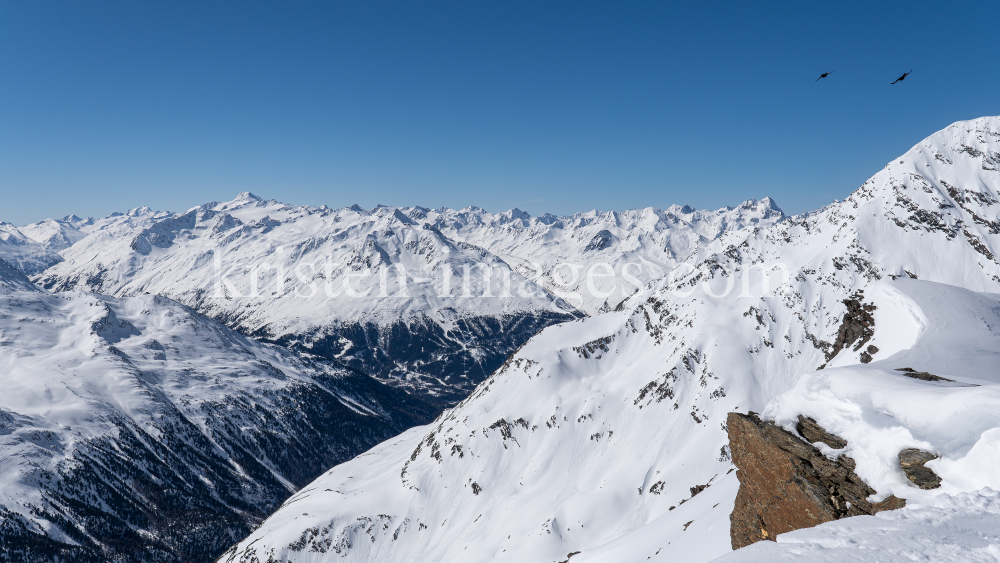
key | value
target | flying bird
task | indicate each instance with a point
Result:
(905, 74)
(825, 74)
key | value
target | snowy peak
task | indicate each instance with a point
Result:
(647, 217)
(10, 234)
(976, 139)
(933, 213)
(246, 197)
(565, 250)
(55, 234)
(473, 284)
(765, 208)
(378, 291)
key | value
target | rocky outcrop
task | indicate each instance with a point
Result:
(922, 375)
(857, 325)
(787, 484)
(813, 432)
(912, 461)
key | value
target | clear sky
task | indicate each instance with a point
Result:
(546, 106)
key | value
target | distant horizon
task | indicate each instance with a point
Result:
(546, 107)
(484, 208)
(691, 208)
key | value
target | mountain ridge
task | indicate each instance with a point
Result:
(604, 438)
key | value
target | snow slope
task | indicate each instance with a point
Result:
(137, 430)
(596, 438)
(400, 293)
(963, 527)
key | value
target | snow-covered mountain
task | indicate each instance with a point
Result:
(559, 252)
(24, 253)
(58, 234)
(429, 300)
(138, 430)
(604, 439)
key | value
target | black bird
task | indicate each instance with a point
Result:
(905, 74)
(825, 74)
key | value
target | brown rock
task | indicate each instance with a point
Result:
(787, 484)
(813, 433)
(857, 325)
(912, 461)
(923, 375)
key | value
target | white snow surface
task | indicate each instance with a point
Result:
(34, 247)
(566, 249)
(428, 300)
(588, 441)
(964, 527)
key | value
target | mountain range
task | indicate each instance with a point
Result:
(431, 301)
(266, 376)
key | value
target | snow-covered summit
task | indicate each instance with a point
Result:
(56, 234)
(561, 251)
(245, 197)
(933, 213)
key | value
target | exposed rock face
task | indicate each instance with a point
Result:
(857, 325)
(866, 356)
(787, 484)
(922, 375)
(813, 433)
(912, 461)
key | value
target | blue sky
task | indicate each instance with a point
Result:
(546, 106)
